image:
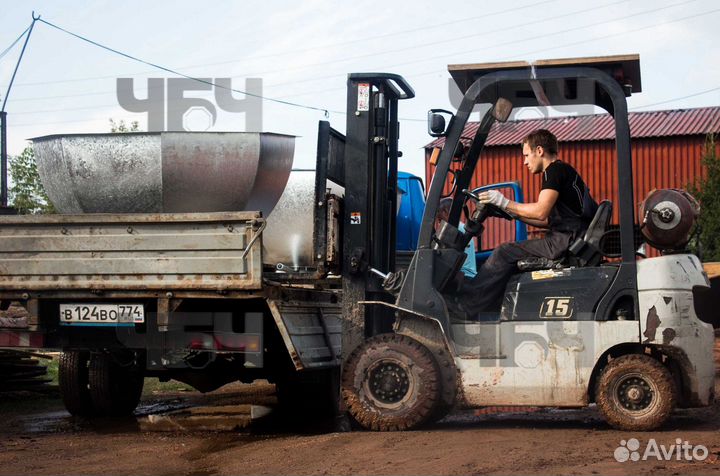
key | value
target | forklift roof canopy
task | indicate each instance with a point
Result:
(625, 69)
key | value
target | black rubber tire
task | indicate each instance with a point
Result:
(658, 387)
(417, 384)
(115, 390)
(448, 389)
(73, 383)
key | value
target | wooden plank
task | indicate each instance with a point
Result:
(210, 418)
(712, 269)
(488, 66)
(628, 72)
(587, 60)
(582, 61)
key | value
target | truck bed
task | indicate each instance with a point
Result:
(130, 252)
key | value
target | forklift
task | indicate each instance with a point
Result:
(617, 330)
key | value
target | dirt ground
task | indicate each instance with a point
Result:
(44, 440)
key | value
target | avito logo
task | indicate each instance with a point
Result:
(681, 451)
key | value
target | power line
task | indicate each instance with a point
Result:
(700, 93)
(6, 50)
(535, 21)
(63, 96)
(163, 68)
(32, 124)
(9, 88)
(506, 43)
(303, 50)
(538, 51)
(412, 30)
(648, 27)
(65, 109)
(399, 50)
(524, 54)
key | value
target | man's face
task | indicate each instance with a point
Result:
(532, 158)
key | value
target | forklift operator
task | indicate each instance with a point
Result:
(564, 207)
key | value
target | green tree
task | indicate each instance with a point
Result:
(707, 191)
(120, 126)
(26, 193)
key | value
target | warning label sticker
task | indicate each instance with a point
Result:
(355, 218)
(548, 274)
(363, 103)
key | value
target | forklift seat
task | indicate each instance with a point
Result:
(584, 251)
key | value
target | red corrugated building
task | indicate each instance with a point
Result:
(667, 148)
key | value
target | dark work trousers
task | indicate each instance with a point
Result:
(485, 291)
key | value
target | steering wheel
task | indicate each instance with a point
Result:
(492, 210)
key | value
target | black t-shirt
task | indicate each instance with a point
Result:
(564, 179)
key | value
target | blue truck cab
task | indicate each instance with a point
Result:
(411, 204)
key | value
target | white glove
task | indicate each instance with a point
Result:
(494, 197)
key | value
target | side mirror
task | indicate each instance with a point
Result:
(502, 109)
(437, 125)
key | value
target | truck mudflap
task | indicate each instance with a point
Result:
(14, 338)
(132, 252)
(309, 322)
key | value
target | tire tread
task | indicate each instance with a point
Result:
(653, 370)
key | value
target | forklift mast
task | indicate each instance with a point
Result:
(371, 164)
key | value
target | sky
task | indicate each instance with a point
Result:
(303, 51)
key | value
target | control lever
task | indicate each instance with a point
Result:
(392, 282)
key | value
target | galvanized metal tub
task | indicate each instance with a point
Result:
(288, 238)
(164, 172)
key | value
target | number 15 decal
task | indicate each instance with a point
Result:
(556, 308)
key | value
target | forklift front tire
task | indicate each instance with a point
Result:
(390, 383)
(636, 393)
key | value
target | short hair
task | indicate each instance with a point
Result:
(543, 138)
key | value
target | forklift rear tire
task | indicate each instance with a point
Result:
(115, 389)
(391, 382)
(73, 382)
(636, 393)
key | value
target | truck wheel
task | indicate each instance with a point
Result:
(114, 389)
(391, 382)
(73, 383)
(636, 393)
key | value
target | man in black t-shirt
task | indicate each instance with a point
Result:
(564, 207)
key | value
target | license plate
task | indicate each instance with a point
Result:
(101, 314)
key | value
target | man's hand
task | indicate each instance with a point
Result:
(494, 197)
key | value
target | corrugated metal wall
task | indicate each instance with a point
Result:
(665, 162)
